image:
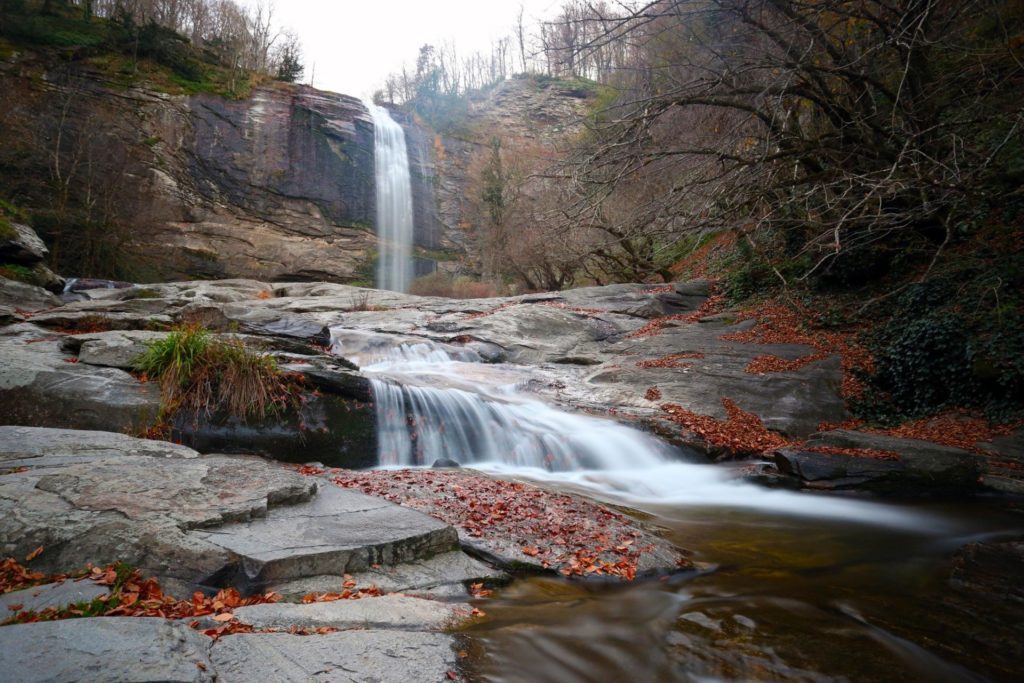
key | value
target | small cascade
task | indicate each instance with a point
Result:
(437, 402)
(394, 202)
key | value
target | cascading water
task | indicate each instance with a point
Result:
(436, 402)
(394, 202)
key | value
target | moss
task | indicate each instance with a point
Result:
(7, 230)
(14, 271)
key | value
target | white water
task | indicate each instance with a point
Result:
(435, 403)
(394, 202)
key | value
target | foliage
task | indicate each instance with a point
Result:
(204, 375)
(444, 285)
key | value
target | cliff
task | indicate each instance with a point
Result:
(277, 186)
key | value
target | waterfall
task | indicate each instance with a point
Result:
(437, 401)
(394, 202)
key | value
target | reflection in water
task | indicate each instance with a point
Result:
(791, 600)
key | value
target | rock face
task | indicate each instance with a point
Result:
(278, 186)
(921, 466)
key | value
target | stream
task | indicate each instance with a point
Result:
(804, 587)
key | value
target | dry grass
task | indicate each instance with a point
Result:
(204, 375)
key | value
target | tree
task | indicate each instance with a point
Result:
(834, 135)
(288, 58)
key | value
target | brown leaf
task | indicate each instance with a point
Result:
(34, 554)
(226, 616)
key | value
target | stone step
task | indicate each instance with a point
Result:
(400, 612)
(339, 532)
(444, 575)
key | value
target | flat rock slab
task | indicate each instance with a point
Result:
(115, 649)
(519, 526)
(47, 447)
(40, 387)
(38, 598)
(921, 466)
(347, 656)
(384, 612)
(444, 574)
(339, 532)
(115, 349)
(111, 507)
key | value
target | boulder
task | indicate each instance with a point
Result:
(114, 349)
(21, 245)
(922, 466)
(26, 297)
(101, 498)
(42, 386)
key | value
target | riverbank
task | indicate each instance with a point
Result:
(261, 527)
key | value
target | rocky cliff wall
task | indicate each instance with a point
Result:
(279, 186)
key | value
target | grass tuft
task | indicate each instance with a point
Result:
(204, 375)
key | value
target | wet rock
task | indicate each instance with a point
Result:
(991, 569)
(84, 284)
(383, 612)
(922, 467)
(338, 532)
(445, 463)
(378, 656)
(334, 430)
(105, 648)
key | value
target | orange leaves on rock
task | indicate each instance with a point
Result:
(34, 554)
(653, 394)
(134, 596)
(953, 428)
(310, 470)
(265, 294)
(872, 453)
(779, 323)
(554, 531)
(14, 576)
(713, 304)
(741, 432)
(766, 364)
(671, 361)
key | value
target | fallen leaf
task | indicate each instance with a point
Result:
(226, 616)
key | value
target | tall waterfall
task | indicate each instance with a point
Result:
(394, 202)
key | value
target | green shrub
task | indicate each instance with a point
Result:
(203, 375)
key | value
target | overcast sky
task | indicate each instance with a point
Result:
(355, 44)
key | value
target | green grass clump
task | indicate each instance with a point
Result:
(14, 271)
(7, 230)
(204, 375)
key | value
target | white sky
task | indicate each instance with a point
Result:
(355, 44)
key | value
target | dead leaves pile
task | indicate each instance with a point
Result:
(741, 432)
(558, 532)
(780, 323)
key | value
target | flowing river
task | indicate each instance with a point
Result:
(804, 587)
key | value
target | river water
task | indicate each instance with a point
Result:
(803, 587)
